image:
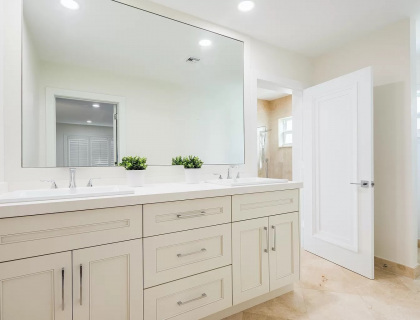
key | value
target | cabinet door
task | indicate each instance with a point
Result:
(284, 250)
(250, 259)
(36, 288)
(108, 283)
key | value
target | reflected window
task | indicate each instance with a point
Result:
(285, 132)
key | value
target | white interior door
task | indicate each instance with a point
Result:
(338, 153)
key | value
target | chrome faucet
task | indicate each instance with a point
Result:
(72, 184)
(53, 184)
(230, 175)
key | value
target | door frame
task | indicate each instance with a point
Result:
(50, 115)
(297, 88)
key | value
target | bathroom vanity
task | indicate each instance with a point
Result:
(170, 251)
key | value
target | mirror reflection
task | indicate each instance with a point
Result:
(107, 80)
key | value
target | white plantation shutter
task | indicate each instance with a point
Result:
(85, 151)
(100, 152)
(78, 152)
(111, 153)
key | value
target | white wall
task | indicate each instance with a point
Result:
(2, 28)
(31, 102)
(260, 59)
(389, 52)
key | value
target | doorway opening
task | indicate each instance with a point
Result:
(274, 131)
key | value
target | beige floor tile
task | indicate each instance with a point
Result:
(329, 292)
(238, 316)
(320, 274)
(386, 287)
(254, 316)
(327, 305)
(398, 310)
(287, 306)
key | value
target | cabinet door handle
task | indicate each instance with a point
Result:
(274, 238)
(81, 284)
(180, 255)
(266, 239)
(62, 289)
(203, 295)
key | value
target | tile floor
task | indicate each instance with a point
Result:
(329, 292)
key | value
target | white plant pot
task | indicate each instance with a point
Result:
(192, 175)
(135, 178)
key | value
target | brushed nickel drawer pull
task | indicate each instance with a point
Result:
(274, 238)
(180, 255)
(180, 303)
(181, 216)
(266, 239)
(62, 289)
(81, 284)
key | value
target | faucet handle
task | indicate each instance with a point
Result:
(53, 184)
(218, 174)
(90, 182)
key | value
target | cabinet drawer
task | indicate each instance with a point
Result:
(160, 218)
(182, 254)
(257, 205)
(37, 235)
(190, 298)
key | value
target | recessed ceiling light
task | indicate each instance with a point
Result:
(96, 105)
(89, 121)
(246, 5)
(205, 43)
(70, 4)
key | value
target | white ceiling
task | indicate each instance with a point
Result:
(79, 111)
(308, 27)
(270, 95)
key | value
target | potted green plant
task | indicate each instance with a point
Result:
(192, 167)
(135, 169)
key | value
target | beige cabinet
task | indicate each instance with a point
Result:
(108, 282)
(250, 259)
(178, 255)
(265, 255)
(37, 288)
(284, 249)
(190, 298)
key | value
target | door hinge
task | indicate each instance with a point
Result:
(372, 184)
(115, 116)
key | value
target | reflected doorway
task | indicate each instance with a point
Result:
(274, 131)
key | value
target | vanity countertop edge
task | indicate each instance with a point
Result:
(153, 193)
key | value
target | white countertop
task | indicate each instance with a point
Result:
(152, 193)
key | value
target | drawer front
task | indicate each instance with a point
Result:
(37, 235)
(182, 254)
(257, 205)
(160, 218)
(190, 298)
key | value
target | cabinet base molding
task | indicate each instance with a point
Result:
(249, 304)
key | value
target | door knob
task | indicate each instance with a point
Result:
(363, 183)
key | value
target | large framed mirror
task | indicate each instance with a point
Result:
(105, 80)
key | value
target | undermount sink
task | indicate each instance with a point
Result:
(64, 193)
(246, 181)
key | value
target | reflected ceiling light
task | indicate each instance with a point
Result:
(205, 43)
(246, 5)
(89, 121)
(96, 105)
(70, 4)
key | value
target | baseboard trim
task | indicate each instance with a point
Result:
(397, 268)
(249, 304)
